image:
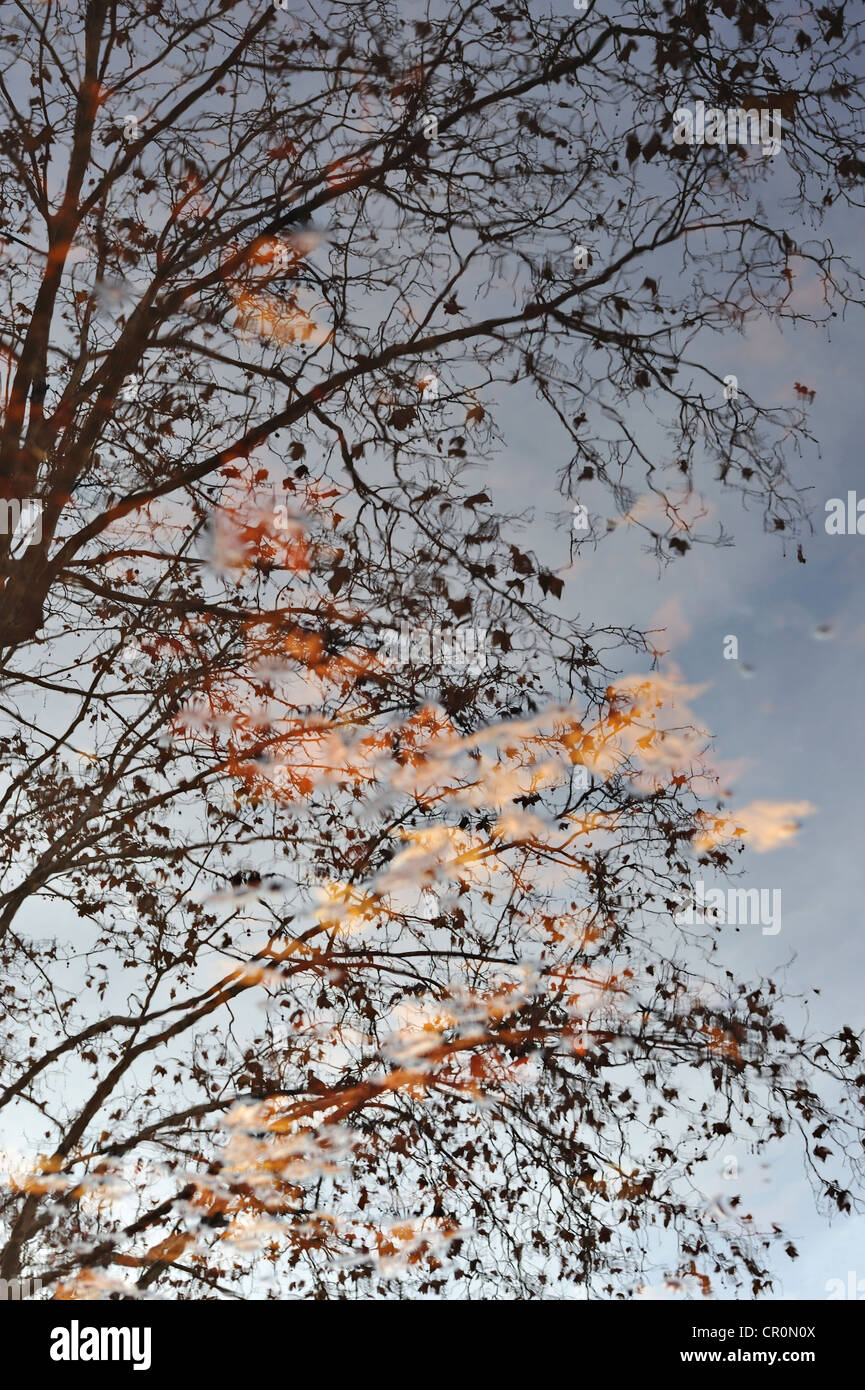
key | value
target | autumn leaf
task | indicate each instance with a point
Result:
(403, 417)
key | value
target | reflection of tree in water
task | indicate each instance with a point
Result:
(362, 972)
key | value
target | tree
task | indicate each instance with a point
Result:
(363, 968)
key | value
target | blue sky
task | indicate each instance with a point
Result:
(790, 728)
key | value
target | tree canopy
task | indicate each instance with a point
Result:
(324, 972)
